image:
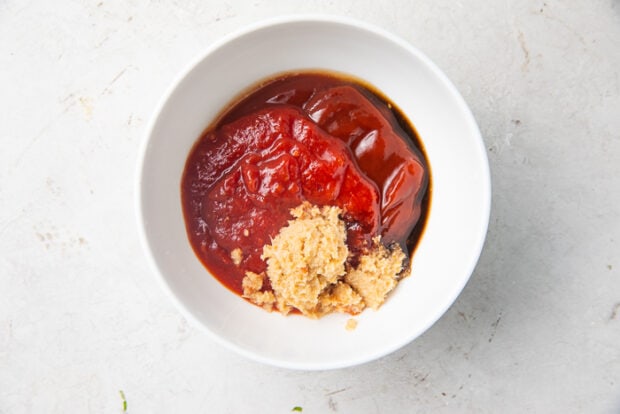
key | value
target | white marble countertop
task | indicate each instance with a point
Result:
(537, 329)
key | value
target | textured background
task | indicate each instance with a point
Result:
(537, 329)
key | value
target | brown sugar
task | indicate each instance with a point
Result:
(377, 274)
(307, 268)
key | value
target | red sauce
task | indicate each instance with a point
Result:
(313, 137)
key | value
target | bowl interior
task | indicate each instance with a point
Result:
(456, 225)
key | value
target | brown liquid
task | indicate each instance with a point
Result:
(348, 135)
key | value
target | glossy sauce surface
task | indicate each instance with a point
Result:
(317, 137)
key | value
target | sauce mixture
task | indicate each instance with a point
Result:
(316, 137)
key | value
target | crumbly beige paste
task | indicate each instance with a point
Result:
(307, 268)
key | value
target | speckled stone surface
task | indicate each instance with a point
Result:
(537, 329)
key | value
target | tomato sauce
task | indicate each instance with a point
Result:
(309, 136)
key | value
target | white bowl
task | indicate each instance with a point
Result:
(457, 222)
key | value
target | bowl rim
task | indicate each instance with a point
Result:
(285, 20)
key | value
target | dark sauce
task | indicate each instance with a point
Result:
(241, 169)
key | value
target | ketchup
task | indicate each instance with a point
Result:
(315, 137)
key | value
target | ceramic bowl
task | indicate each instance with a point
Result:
(455, 231)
